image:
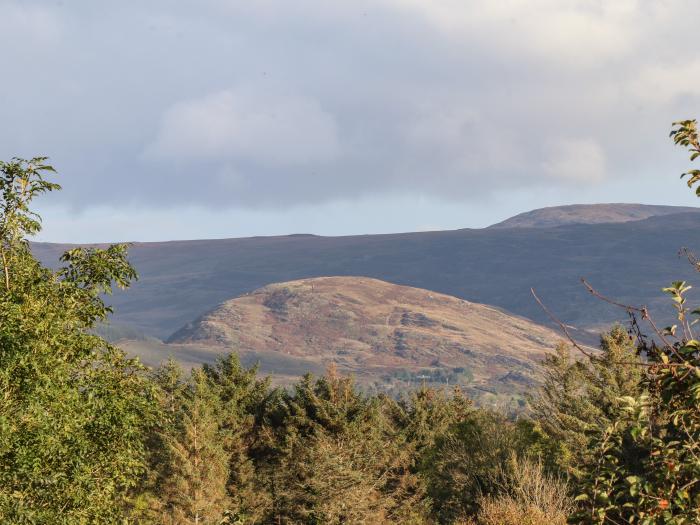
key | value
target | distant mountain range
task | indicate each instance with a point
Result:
(630, 256)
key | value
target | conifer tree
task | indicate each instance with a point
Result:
(348, 458)
(460, 467)
(169, 379)
(243, 398)
(428, 414)
(196, 489)
(580, 396)
(419, 422)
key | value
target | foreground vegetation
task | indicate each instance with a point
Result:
(88, 435)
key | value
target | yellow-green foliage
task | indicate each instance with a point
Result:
(74, 411)
(526, 496)
(643, 466)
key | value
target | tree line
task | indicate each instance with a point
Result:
(89, 435)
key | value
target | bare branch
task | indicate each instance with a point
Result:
(562, 326)
(590, 355)
(645, 315)
(600, 296)
(692, 258)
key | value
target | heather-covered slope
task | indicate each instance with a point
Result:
(383, 333)
(362, 320)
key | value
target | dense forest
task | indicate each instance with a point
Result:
(89, 435)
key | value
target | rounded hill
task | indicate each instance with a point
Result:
(590, 214)
(373, 328)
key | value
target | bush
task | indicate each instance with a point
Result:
(526, 495)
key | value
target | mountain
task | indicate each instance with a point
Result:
(629, 261)
(589, 214)
(383, 333)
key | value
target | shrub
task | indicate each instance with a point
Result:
(526, 495)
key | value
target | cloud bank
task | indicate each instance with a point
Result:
(274, 104)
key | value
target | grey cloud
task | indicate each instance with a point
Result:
(275, 103)
(266, 130)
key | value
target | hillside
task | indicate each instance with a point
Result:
(589, 214)
(384, 333)
(629, 260)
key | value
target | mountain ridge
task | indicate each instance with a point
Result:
(554, 216)
(628, 260)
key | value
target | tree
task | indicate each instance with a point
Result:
(243, 399)
(195, 491)
(527, 495)
(579, 396)
(74, 411)
(342, 457)
(661, 424)
(169, 385)
(460, 467)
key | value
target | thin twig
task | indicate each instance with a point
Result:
(663, 339)
(692, 258)
(645, 315)
(600, 296)
(562, 326)
(591, 356)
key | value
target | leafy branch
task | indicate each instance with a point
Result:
(20, 181)
(685, 133)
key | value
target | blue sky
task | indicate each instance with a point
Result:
(218, 118)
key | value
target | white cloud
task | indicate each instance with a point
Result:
(575, 161)
(463, 149)
(570, 33)
(242, 125)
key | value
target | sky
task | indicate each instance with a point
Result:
(222, 118)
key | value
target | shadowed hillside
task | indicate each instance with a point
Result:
(631, 261)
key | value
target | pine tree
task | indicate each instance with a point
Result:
(461, 465)
(243, 399)
(168, 378)
(342, 458)
(196, 489)
(579, 396)
(312, 475)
